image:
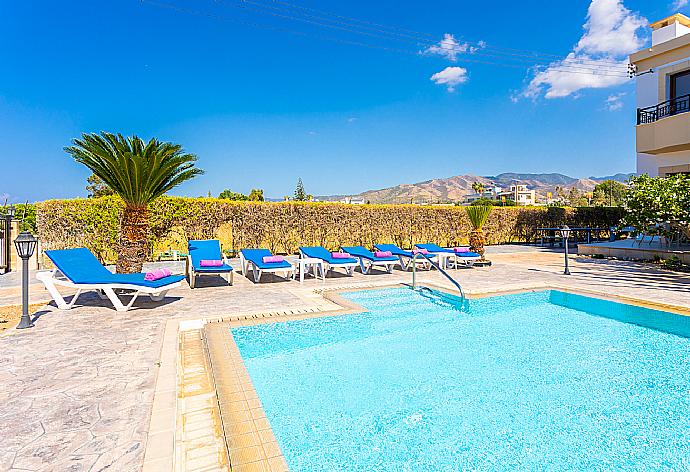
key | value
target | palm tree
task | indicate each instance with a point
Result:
(478, 187)
(478, 215)
(139, 173)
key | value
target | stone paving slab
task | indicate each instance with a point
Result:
(76, 391)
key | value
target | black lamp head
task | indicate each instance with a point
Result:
(25, 244)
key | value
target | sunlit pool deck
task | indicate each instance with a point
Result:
(94, 389)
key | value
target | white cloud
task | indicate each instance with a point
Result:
(614, 102)
(678, 4)
(611, 29)
(451, 77)
(352, 119)
(450, 48)
(599, 58)
(562, 79)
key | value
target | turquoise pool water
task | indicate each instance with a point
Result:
(535, 381)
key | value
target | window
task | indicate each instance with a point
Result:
(680, 84)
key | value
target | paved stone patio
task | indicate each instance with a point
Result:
(76, 391)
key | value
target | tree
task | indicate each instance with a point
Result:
(139, 173)
(230, 195)
(609, 193)
(575, 198)
(97, 188)
(478, 215)
(300, 194)
(256, 195)
(478, 187)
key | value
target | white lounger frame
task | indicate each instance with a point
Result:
(467, 261)
(406, 262)
(257, 272)
(348, 266)
(192, 274)
(367, 264)
(54, 278)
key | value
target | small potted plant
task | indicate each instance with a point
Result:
(478, 215)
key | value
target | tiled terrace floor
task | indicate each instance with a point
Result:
(76, 390)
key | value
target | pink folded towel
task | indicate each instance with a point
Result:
(210, 263)
(461, 249)
(383, 254)
(420, 251)
(270, 259)
(340, 255)
(157, 274)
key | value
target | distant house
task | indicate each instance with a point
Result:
(489, 194)
(520, 194)
(663, 99)
(517, 193)
(353, 201)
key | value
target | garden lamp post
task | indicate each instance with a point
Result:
(26, 245)
(565, 234)
(9, 216)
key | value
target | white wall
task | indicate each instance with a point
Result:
(648, 90)
(668, 33)
(649, 164)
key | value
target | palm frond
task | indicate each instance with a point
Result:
(478, 215)
(138, 172)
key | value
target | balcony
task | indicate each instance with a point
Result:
(665, 127)
(662, 110)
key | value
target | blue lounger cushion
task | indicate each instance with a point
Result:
(207, 250)
(138, 279)
(256, 257)
(81, 267)
(361, 251)
(431, 247)
(397, 251)
(319, 252)
(394, 249)
(467, 254)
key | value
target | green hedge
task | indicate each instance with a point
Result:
(283, 227)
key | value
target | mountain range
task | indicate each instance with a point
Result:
(453, 189)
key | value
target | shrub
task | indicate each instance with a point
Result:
(26, 213)
(284, 226)
(659, 204)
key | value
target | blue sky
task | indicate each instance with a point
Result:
(264, 105)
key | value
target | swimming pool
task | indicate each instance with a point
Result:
(533, 381)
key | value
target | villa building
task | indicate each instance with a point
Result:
(489, 193)
(663, 99)
(353, 201)
(517, 193)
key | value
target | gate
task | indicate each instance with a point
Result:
(5, 244)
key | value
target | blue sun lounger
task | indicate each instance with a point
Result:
(467, 258)
(79, 269)
(330, 262)
(254, 259)
(206, 250)
(368, 259)
(405, 257)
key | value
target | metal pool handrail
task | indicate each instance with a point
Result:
(438, 267)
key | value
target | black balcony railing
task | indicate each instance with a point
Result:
(662, 110)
